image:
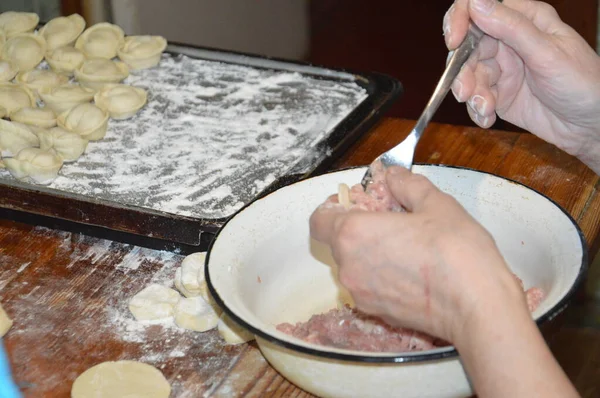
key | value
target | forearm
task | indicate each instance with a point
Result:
(591, 155)
(505, 355)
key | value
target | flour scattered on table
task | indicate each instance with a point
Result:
(212, 136)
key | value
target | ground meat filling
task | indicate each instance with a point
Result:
(348, 328)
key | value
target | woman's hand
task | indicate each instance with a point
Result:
(432, 268)
(532, 70)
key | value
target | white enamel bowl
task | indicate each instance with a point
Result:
(263, 269)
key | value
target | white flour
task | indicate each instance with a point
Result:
(212, 136)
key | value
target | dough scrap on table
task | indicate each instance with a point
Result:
(194, 313)
(129, 379)
(154, 302)
(232, 332)
(5, 322)
(190, 279)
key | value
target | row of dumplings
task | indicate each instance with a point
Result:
(37, 141)
(66, 46)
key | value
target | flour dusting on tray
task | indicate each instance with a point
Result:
(212, 136)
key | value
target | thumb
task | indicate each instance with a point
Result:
(412, 191)
(509, 22)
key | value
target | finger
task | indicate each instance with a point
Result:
(323, 220)
(456, 23)
(482, 121)
(412, 191)
(509, 25)
(541, 14)
(483, 101)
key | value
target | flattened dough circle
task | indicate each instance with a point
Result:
(129, 379)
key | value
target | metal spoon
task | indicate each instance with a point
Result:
(403, 153)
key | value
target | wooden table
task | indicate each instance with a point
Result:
(67, 292)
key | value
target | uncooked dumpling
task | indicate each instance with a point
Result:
(26, 50)
(14, 22)
(194, 313)
(154, 302)
(87, 120)
(62, 31)
(101, 40)
(141, 52)
(34, 164)
(39, 117)
(65, 60)
(8, 70)
(121, 379)
(3, 112)
(14, 137)
(15, 96)
(2, 39)
(231, 332)
(38, 79)
(98, 72)
(69, 146)
(65, 97)
(120, 100)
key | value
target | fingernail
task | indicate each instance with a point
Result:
(482, 121)
(483, 6)
(479, 104)
(394, 170)
(457, 89)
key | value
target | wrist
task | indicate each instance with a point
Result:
(590, 154)
(493, 307)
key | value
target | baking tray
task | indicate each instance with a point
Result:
(158, 229)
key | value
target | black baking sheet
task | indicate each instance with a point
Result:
(159, 229)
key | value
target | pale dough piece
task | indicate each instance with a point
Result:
(16, 22)
(2, 39)
(124, 379)
(25, 50)
(232, 332)
(65, 97)
(39, 117)
(15, 137)
(141, 52)
(154, 302)
(8, 71)
(98, 72)
(179, 285)
(15, 96)
(62, 31)
(69, 146)
(86, 119)
(192, 274)
(2, 112)
(38, 79)
(101, 40)
(35, 165)
(194, 313)
(344, 195)
(120, 100)
(65, 60)
(5, 322)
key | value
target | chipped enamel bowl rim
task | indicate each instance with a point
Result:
(487, 196)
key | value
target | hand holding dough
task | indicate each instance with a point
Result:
(128, 379)
(154, 302)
